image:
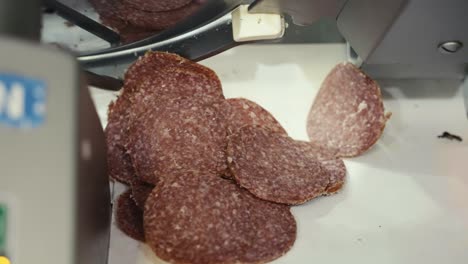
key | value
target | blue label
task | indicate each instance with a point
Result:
(22, 101)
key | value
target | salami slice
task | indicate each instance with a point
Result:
(129, 218)
(200, 219)
(242, 112)
(274, 167)
(178, 136)
(348, 113)
(152, 78)
(157, 5)
(133, 23)
(337, 170)
(335, 166)
(150, 64)
(108, 15)
(140, 192)
(119, 164)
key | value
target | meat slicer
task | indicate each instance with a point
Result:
(54, 192)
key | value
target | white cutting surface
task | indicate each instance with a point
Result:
(405, 201)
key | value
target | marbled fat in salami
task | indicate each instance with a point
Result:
(184, 76)
(178, 136)
(200, 219)
(243, 112)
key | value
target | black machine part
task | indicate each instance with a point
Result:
(20, 20)
(393, 39)
(409, 39)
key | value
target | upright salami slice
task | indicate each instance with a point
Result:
(157, 5)
(348, 113)
(140, 192)
(242, 112)
(200, 219)
(274, 167)
(178, 136)
(129, 217)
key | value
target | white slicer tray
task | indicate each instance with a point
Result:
(405, 201)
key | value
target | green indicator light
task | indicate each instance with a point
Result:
(3, 226)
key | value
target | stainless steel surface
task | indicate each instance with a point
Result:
(404, 31)
(364, 23)
(303, 12)
(402, 38)
(450, 47)
(19, 19)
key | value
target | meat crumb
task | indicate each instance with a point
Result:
(450, 136)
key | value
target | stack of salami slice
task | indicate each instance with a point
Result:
(137, 19)
(212, 179)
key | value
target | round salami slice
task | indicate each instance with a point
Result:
(157, 5)
(154, 20)
(274, 167)
(140, 192)
(129, 217)
(155, 76)
(177, 136)
(134, 24)
(200, 219)
(348, 113)
(108, 15)
(162, 75)
(242, 112)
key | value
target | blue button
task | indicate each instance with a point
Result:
(22, 101)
